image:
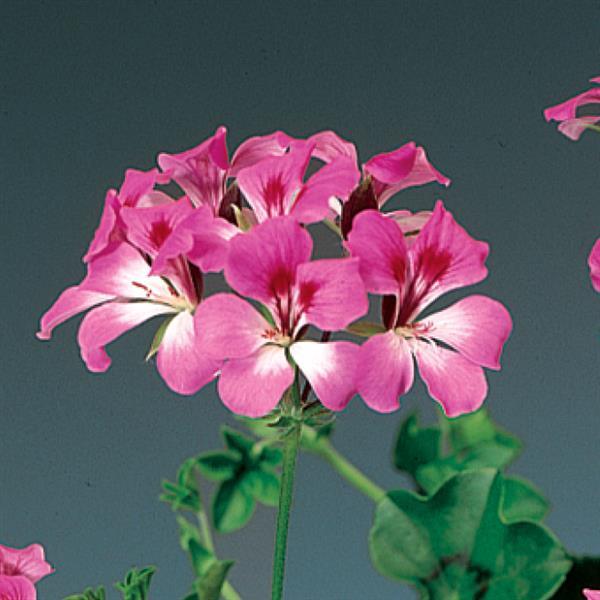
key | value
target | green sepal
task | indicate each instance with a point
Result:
(89, 594)
(365, 328)
(208, 586)
(457, 544)
(158, 337)
(415, 445)
(136, 584)
(233, 506)
(219, 465)
(266, 313)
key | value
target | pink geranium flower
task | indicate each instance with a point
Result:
(30, 562)
(124, 288)
(591, 594)
(271, 264)
(402, 168)
(16, 588)
(450, 346)
(594, 264)
(566, 113)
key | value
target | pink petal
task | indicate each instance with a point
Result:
(328, 146)
(594, 264)
(253, 386)
(329, 367)
(181, 362)
(258, 148)
(29, 562)
(337, 179)
(201, 171)
(262, 263)
(106, 323)
(106, 230)
(591, 594)
(16, 588)
(202, 238)
(476, 326)
(71, 302)
(149, 228)
(122, 271)
(269, 186)
(229, 327)
(138, 185)
(455, 382)
(331, 292)
(408, 166)
(573, 128)
(443, 257)
(568, 110)
(380, 245)
(385, 371)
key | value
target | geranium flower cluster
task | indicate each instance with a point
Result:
(20, 570)
(247, 217)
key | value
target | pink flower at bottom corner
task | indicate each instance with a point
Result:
(594, 264)
(591, 594)
(29, 562)
(16, 588)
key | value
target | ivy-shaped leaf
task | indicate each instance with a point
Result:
(136, 584)
(233, 506)
(219, 465)
(522, 501)
(457, 543)
(474, 441)
(416, 446)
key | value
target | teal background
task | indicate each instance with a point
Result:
(90, 88)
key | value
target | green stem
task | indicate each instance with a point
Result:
(347, 470)
(290, 453)
(228, 592)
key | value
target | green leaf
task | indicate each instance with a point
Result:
(158, 337)
(219, 465)
(365, 328)
(209, 585)
(136, 583)
(585, 573)
(522, 501)
(415, 445)
(233, 505)
(89, 594)
(237, 441)
(455, 544)
(271, 456)
(183, 495)
(476, 442)
(263, 486)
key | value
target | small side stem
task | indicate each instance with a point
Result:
(228, 592)
(286, 491)
(348, 471)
